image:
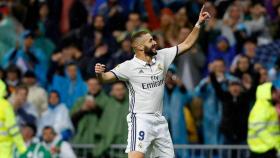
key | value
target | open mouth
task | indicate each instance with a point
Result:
(154, 48)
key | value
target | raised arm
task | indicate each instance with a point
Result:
(102, 76)
(192, 37)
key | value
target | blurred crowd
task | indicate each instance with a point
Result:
(48, 49)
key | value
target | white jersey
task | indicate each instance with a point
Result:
(146, 82)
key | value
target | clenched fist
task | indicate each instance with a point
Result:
(99, 68)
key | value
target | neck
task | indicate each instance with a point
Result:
(143, 56)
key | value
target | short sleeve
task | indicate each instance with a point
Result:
(121, 71)
(168, 55)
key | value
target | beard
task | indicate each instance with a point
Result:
(149, 51)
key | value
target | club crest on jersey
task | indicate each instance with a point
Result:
(160, 67)
(140, 145)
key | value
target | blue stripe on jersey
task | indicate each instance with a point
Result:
(132, 99)
(133, 132)
(115, 75)
(134, 136)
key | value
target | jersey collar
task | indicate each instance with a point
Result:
(143, 62)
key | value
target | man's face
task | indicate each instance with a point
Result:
(235, 12)
(29, 81)
(28, 42)
(263, 75)
(126, 46)
(93, 86)
(12, 76)
(48, 135)
(53, 98)
(243, 64)
(72, 71)
(222, 46)
(135, 20)
(27, 133)
(149, 44)
(250, 49)
(169, 81)
(21, 95)
(276, 96)
(184, 32)
(235, 90)
(118, 91)
(219, 66)
(99, 23)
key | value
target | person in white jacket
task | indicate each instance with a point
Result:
(54, 143)
(37, 95)
(57, 116)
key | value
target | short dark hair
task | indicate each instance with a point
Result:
(119, 82)
(49, 127)
(32, 127)
(221, 60)
(19, 87)
(56, 92)
(14, 69)
(138, 34)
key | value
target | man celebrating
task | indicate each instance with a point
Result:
(144, 75)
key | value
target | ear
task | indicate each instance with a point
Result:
(140, 47)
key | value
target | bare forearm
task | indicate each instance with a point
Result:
(106, 77)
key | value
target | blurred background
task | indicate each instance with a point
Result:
(48, 49)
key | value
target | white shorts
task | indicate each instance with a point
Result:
(149, 134)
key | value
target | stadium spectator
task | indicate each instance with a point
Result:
(274, 73)
(13, 78)
(243, 67)
(41, 40)
(57, 116)
(249, 50)
(135, 20)
(112, 125)
(263, 75)
(114, 13)
(263, 123)
(233, 22)
(221, 49)
(27, 57)
(212, 29)
(123, 54)
(8, 27)
(182, 17)
(190, 64)
(34, 146)
(37, 95)
(236, 106)
(87, 111)
(25, 112)
(71, 86)
(56, 145)
(211, 104)
(256, 26)
(85, 118)
(168, 27)
(10, 136)
(175, 98)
